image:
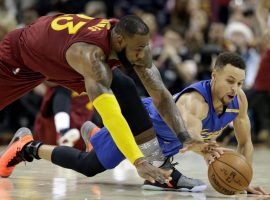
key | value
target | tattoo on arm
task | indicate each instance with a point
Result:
(162, 99)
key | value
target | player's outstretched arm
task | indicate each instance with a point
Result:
(89, 61)
(193, 116)
(150, 77)
(243, 129)
(243, 135)
(163, 100)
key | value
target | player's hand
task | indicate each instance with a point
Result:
(256, 190)
(209, 158)
(151, 173)
(215, 153)
(199, 146)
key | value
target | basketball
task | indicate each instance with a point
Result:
(230, 173)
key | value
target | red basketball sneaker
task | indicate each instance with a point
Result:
(14, 153)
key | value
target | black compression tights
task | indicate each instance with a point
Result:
(131, 105)
(85, 163)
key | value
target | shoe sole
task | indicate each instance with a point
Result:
(194, 189)
(19, 133)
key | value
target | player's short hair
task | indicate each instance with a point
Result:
(130, 25)
(229, 58)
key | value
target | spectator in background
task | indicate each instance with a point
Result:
(241, 36)
(61, 116)
(96, 9)
(212, 48)
(190, 16)
(260, 101)
(216, 34)
(174, 61)
(244, 11)
(7, 17)
(156, 40)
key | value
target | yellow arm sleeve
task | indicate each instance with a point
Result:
(110, 112)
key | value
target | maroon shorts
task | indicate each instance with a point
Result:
(15, 82)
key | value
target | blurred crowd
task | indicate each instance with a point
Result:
(186, 37)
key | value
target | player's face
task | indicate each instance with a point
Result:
(227, 82)
(133, 48)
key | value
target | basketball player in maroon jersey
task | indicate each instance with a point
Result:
(78, 52)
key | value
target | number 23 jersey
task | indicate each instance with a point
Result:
(43, 44)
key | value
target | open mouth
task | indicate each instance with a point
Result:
(230, 96)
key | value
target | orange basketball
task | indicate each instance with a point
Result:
(230, 173)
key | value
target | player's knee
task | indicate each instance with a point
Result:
(90, 165)
(122, 83)
(90, 173)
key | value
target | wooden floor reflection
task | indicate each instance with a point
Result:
(43, 180)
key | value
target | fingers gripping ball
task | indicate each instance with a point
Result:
(230, 173)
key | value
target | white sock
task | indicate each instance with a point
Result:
(61, 121)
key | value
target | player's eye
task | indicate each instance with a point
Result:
(230, 81)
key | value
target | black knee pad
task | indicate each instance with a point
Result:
(132, 108)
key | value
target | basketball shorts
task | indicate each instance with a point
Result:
(110, 156)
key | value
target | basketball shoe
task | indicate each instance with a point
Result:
(179, 181)
(14, 153)
(88, 129)
(68, 138)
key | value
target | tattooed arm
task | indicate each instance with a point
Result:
(89, 61)
(150, 77)
(161, 97)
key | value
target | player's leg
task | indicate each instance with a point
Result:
(24, 148)
(102, 140)
(136, 115)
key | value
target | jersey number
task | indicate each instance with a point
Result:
(72, 28)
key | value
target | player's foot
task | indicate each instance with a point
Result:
(88, 129)
(179, 182)
(14, 153)
(69, 138)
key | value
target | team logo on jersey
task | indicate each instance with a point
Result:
(209, 135)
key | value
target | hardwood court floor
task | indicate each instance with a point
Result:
(43, 180)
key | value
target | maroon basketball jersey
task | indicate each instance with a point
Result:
(42, 45)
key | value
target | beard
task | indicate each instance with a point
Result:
(123, 59)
